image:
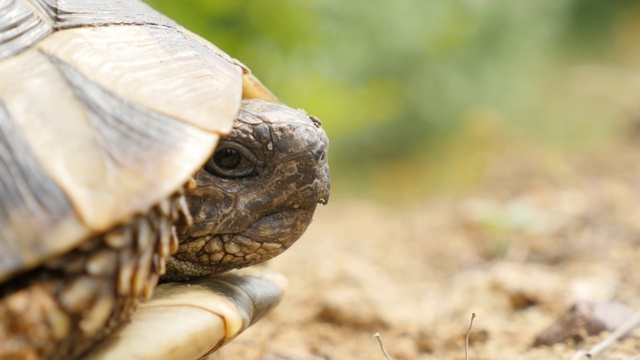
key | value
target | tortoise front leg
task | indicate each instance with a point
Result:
(61, 308)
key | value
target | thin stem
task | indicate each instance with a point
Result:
(377, 336)
(466, 342)
(610, 340)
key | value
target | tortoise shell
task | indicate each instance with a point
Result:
(106, 107)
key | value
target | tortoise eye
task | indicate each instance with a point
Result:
(227, 159)
(232, 160)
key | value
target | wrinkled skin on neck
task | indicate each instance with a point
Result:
(256, 195)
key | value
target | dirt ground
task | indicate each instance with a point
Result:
(541, 234)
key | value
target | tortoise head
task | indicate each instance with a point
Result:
(257, 194)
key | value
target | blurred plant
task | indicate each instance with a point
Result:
(396, 83)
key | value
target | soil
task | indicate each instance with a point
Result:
(542, 233)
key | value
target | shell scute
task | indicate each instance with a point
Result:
(106, 108)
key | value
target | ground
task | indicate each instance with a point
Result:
(541, 233)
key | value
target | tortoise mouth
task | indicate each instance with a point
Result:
(265, 238)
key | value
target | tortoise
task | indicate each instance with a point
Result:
(132, 150)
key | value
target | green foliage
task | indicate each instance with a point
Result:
(395, 81)
(591, 24)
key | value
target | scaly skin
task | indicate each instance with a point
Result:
(257, 194)
(61, 308)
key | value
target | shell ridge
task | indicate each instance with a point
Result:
(94, 13)
(45, 10)
(22, 25)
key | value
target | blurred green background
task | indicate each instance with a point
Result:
(420, 96)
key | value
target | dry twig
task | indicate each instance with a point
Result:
(466, 341)
(377, 336)
(610, 340)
